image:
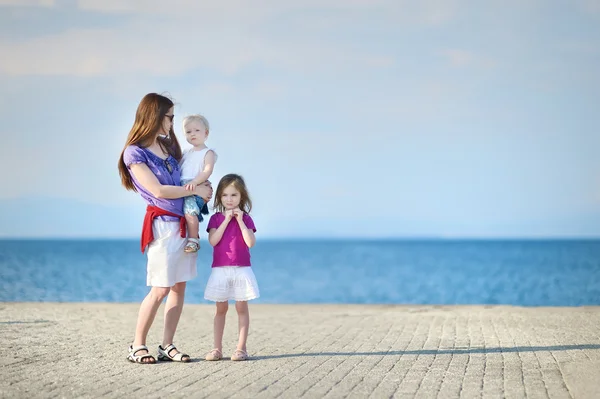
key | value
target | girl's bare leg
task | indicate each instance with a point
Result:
(243, 323)
(219, 324)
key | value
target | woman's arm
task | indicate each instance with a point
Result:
(148, 180)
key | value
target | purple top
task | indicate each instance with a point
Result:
(134, 154)
(232, 249)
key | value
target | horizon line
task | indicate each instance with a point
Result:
(330, 238)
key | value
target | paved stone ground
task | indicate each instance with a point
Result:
(313, 351)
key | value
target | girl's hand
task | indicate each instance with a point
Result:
(229, 215)
(190, 187)
(237, 212)
(204, 191)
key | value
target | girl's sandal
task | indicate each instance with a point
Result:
(165, 354)
(132, 357)
(239, 355)
(214, 355)
(192, 245)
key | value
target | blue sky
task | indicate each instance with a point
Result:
(347, 118)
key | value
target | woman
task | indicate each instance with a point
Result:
(149, 165)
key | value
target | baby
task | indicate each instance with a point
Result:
(197, 165)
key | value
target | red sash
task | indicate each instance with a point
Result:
(151, 213)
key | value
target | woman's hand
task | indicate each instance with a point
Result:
(204, 191)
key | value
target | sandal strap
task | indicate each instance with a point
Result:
(177, 356)
(135, 349)
(193, 244)
(169, 347)
(139, 358)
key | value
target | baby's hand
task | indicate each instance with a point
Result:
(190, 187)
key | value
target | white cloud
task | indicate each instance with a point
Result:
(381, 61)
(110, 6)
(592, 6)
(168, 40)
(434, 9)
(424, 11)
(270, 89)
(458, 58)
(144, 49)
(462, 58)
(28, 3)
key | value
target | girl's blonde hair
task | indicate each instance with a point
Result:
(238, 183)
(196, 118)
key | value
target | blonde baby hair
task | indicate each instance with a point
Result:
(196, 118)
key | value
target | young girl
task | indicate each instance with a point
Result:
(231, 233)
(197, 165)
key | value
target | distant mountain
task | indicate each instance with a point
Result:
(53, 217)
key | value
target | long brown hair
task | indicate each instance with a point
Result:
(238, 182)
(149, 117)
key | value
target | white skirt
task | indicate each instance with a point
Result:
(168, 263)
(236, 283)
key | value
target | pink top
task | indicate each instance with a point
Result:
(232, 249)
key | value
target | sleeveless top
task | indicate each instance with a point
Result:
(192, 162)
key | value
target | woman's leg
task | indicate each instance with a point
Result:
(173, 309)
(147, 313)
(243, 323)
(219, 324)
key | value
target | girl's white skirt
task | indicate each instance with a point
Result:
(168, 263)
(235, 283)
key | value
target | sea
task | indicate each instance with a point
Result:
(323, 271)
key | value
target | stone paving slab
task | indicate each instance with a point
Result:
(71, 350)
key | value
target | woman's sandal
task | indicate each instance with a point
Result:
(213, 355)
(165, 354)
(239, 355)
(132, 357)
(192, 245)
